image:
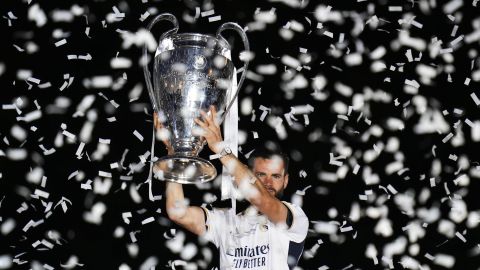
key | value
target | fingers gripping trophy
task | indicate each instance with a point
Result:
(192, 73)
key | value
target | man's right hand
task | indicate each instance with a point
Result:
(211, 130)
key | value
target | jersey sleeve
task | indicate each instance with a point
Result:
(297, 232)
(215, 222)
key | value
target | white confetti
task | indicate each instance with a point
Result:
(31, 116)
(7, 226)
(11, 16)
(17, 154)
(87, 185)
(6, 261)
(42, 193)
(69, 135)
(475, 99)
(104, 141)
(60, 43)
(120, 63)
(461, 237)
(95, 216)
(144, 16)
(395, 8)
(148, 220)
(444, 260)
(104, 174)
(73, 174)
(290, 61)
(452, 6)
(457, 40)
(447, 138)
(412, 83)
(214, 18)
(80, 149)
(138, 135)
(207, 13)
(392, 189)
(33, 80)
(265, 111)
(188, 251)
(126, 217)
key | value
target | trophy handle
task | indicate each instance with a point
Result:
(146, 72)
(246, 45)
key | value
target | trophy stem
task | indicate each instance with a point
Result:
(184, 169)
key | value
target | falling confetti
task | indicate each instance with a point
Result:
(376, 104)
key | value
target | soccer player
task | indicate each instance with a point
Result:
(270, 233)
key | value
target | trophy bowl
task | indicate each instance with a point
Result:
(191, 73)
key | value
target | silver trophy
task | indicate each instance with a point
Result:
(191, 72)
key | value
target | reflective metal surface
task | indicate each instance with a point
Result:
(191, 72)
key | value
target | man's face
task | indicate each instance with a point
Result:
(272, 174)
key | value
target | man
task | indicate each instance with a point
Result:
(268, 235)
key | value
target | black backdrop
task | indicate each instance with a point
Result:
(375, 169)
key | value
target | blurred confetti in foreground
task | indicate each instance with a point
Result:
(376, 103)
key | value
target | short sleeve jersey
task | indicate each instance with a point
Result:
(250, 241)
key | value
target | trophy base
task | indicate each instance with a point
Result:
(184, 170)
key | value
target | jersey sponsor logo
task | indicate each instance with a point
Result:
(249, 257)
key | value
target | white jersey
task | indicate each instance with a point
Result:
(250, 241)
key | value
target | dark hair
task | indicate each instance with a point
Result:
(268, 154)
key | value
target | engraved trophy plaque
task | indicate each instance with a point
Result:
(191, 72)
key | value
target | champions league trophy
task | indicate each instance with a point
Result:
(191, 72)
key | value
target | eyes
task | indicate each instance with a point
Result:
(275, 176)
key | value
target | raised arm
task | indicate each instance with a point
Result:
(191, 218)
(253, 189)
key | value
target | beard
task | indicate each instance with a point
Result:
(279, 194)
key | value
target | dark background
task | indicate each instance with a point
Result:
(72, 241)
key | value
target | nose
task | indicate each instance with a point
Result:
(267, 181)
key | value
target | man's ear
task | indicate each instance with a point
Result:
(285, 183)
